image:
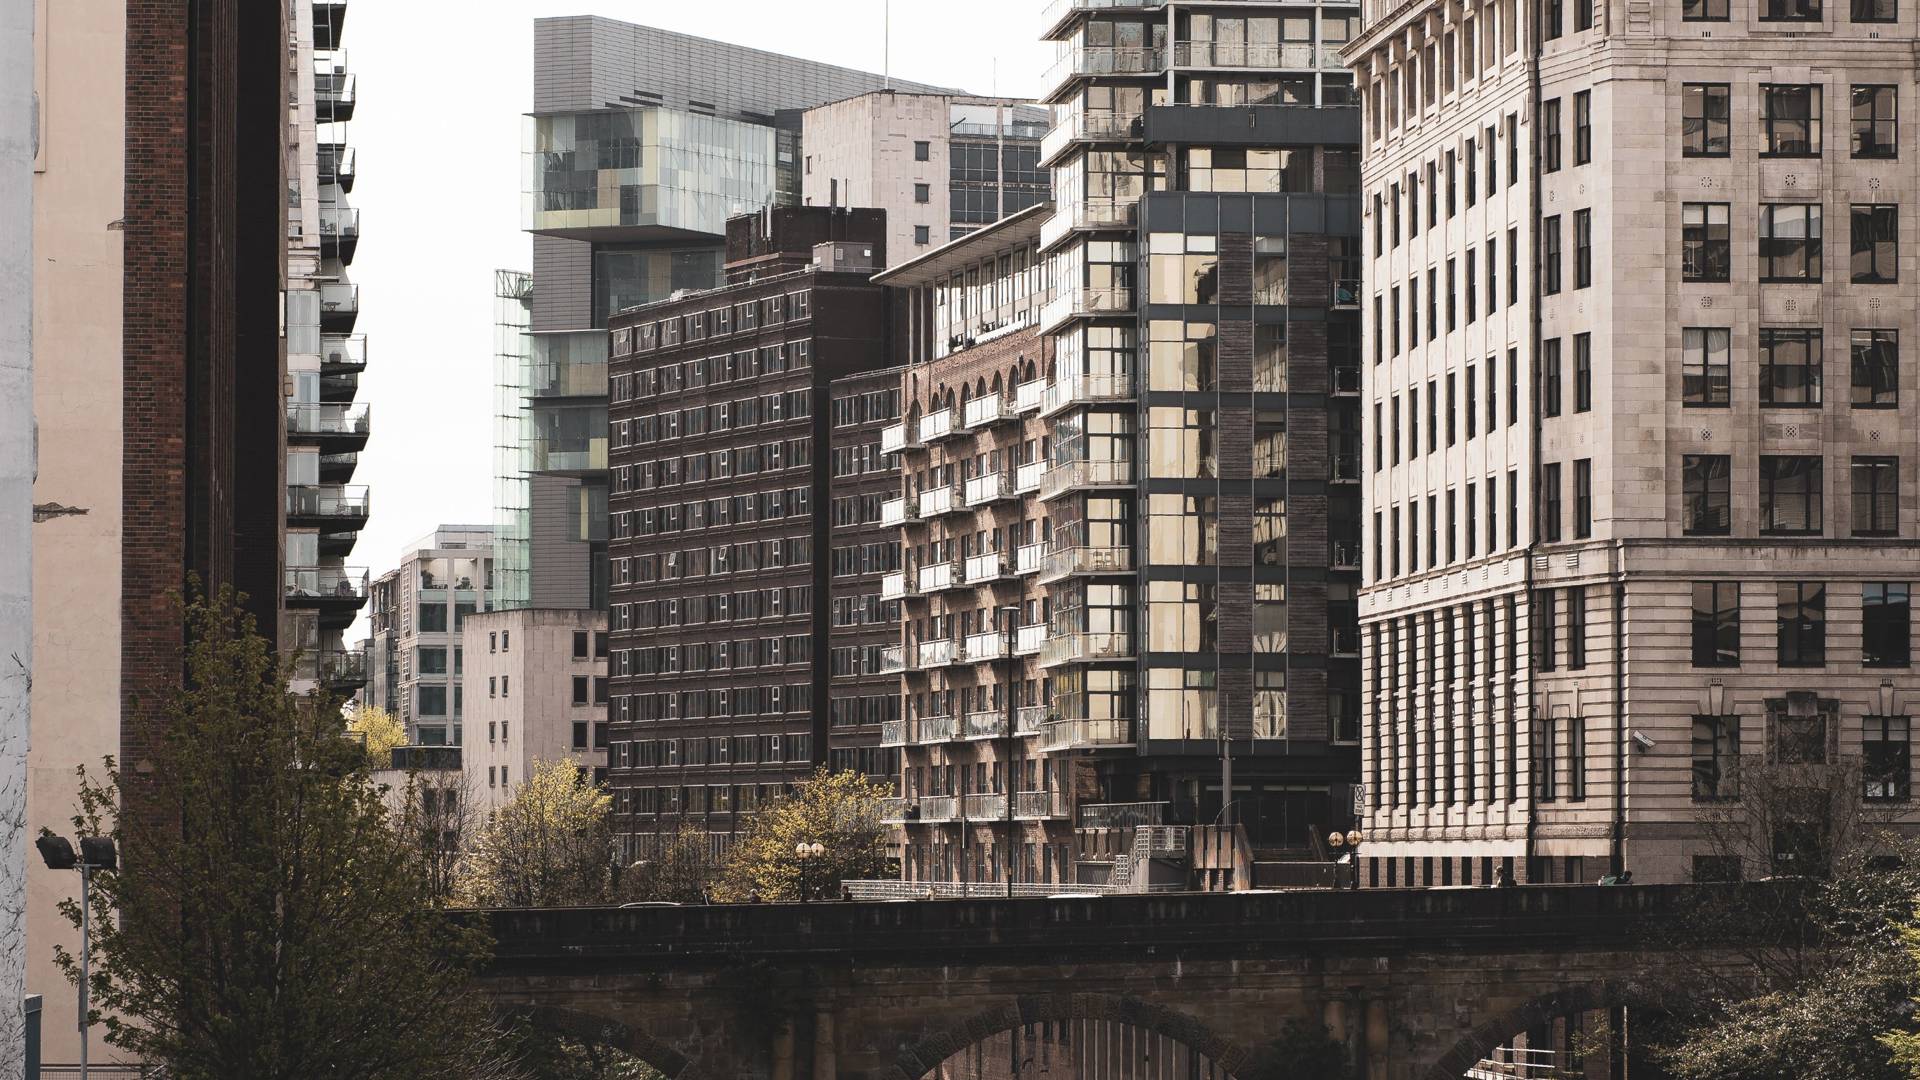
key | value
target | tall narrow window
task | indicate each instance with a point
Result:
(1493, 274)
(1550, 377)
(1453, 296)
(1583, 498)
(1546, 628)
(1886, 759)
(1716, 624)
(1706, 505)
(1468, 405)
(1513, 386)
(1549, 524)
(1790, 119)
(1576, 627)
(1876, 368)
(1876, 496)
(1706, 246)
(1876, 244)
(1582, 248)
(1550, 18)
(1875, 127)
(1583, 109)
(1582, 372)
(1705, 379)
(1513, 266)
(1791, 494)
(1550, 135)
(1790, 366)
(1550, 255)
(1886, 625)
(1716, 758)
(1453, 181)
(1790, 242)
(1706, 114)
(1801, 623)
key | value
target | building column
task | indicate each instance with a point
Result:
(825, 1066)
(1376, 1050)
(783, 1051)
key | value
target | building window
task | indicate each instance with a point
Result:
(922, 193)
(1875, 11)
(493, 689)
(1583, 498)
(1582, 248)
(1706, 246)
(1716, 624)
(1790, 495)
(1716, 758)
(1582, 374)
(579, 689)
(1875, 131)
(1576, 627)
(1550, 135)
(579, 644)
(1789, 10)
(1790, 242)
(1583, 113)
(1876, 496)
(1706, 111)
(504, 679)
(922, 150)
(579, 734)
(1886, 759)
(1886, 625)
(1550, 377)
(1790, 366)
(1704, 376)
(922, 235)
(1550, 503)
(1876, 244)
(1801, 624)
(506, 641)
(1703, 11)
(1706, 503)
(1790, 119)
(1876, 369)
(1550, 255)
(493, 642)
(1546, 628)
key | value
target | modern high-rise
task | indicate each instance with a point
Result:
(418, 613)
(940, 165)
(1203, 408)
(729, 679)
(160, 223)
(640, 146)
(1639, 483)
(326, 427)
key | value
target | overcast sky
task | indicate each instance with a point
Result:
(442, 90)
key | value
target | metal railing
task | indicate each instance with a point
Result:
(936, 729)
(1068, 562)
(328, 419)
(1125, 815)
(986, 806)
(983, 411)
(899, 511)
(990, 566)
(893, 733)
(986, 646)
(940, 576)
(1028, 395)
(1101, 124)
(1032, 805)
(1086, 390)
(987, 725)
(990, 488)
(326, 582)
(894, 586)
(937, 652)
(939, 808)
(1029, 719)
(892, 811)
(1026, 478)
(1086, 734)
(1074, 475)
(327, 500)
(893, 659)
(1082, 648)
(1028, 558)
(1511, 1062)
(935, 425)
(1029, 640)
(1300, 56)
(961, 890)
(1083, 60)
(1085, 300)
(1060, 9)
(894, 438)
(935, 501)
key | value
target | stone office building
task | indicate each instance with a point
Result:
(725, 517)
(1640, 508)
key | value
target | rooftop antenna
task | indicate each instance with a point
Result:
(886, 44)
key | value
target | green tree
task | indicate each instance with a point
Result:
(266, 921)
(550, 846)
(838, 811)
(681, 872)
(378, 731)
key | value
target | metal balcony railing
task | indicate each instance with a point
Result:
(936, 425)
(1297, 56)
(991, 488)
(1040, 805)
(894, 586)
(1079, 61)
(987, 411)
(1075, 561)
(1073, 390)
(986, 646)
(893, 733)
(328, 419)
(960, 890)
(1346, 555)
(895, 512)
(986, 806)
(1058, 11)
(334, 501)
(1029, 640)
(326, 583)
(1085, 300)
(940, 576)
(895, 438)
(1028, 559)
(937, 652)
(1028, 395)
(1125, 815)
(1086, 734)
(937, 501)
(1026, 478)
(893, 659)
(991, 724)
(939, 808)
(1086, 648)
(1078, 475)
(981, 569)
(1093, 125)
(1104, 213)
(893, 811)
(935, 729)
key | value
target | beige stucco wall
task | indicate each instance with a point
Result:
(537, 711)
(866, 143)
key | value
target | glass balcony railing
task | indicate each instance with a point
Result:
(1076, 561)
(986, 806)
(339, 305)
(936, 425)
(991, 488)
(935, 729)
(1029, 719)
(893, 733)
(331, 501)
(315, 420)
(1028, 640)
(1074, 390)
(337, 165)
(1296, 56)
(1085, 301)
(1058, 12)
(991, 566)
(1080, 475)
(893, 659)
(567, 454)
(1086, 648)
(342, 667)
(1086, 734)
(937, 501)
(894, 811)
(899, 511)
(339, 224)
(1081, 61)
(326, 583)
(1093, 125)
(939, 808)
(341, 353)
(334, 92)
(1116, 212)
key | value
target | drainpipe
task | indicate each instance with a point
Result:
(1534, 338)
(1617, 855)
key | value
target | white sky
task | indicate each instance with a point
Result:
(442, 90)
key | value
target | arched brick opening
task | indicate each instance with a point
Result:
(601, 1030)
(926, 1055)
(1537, 1012)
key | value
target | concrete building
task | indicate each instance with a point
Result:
(326, 428)
(1652, 523)
(536, 690)
(17, 151)
(1203, 404)
(159, 212)
(723, 509)
(418, 613)
(940, 165)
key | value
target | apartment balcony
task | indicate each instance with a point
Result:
(1105, 213)
(895, 811)
(1086, 648)
(327, 506)
(334, 92)
(984, 412)
(342, 671)
(1084, 301)
(335, 428)
(989, 489)
(1069, 562)
(343, 354)
(1028, 395)
(1028, 640)
(337, 165)
(1083, 61)
(928, 730)
(1085, 475)
(986, 647)
(986, 806)
(1026, 478)
(1124, 815)
(329, 17)
(1345, 555)
(1063, 735)
(893, 733)
(1042, 805)
(1077, 390)
(937, 653)
(336, 592)
(940, 808)
(568, 455)
(893, 659)
(1028, 558)
(1059, 14)
(937, 501)
(936, 425)
(339, 306)
(938, 577)
(894, 586)
(1286, 56)
(899, 511)
(992, 566)
(339, 233)
(991, 724)
(338, 468)
(1094, 125)
(895, 438)
(1029, 719)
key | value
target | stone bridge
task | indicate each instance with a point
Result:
(1416, 984)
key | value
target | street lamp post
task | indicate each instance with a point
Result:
(808, 854)
(1351, 840)
(96, 853)
(1011, 614)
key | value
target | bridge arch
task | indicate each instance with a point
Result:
(1535, 1012)
(606, 1031)
(926, 1055)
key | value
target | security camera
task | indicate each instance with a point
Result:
(1641, 740)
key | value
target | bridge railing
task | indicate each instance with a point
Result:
(955, 890)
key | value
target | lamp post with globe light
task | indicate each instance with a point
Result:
(1350, 840)
(809, 855)
(96, 853)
